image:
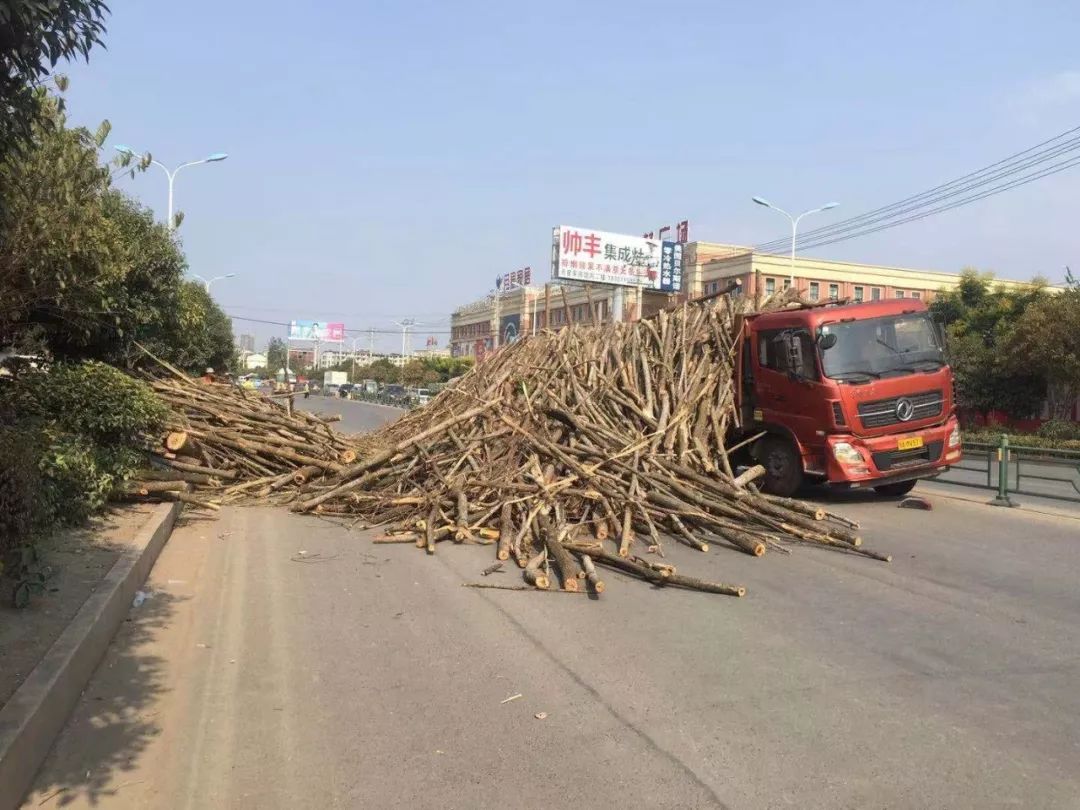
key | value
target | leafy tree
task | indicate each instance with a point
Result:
(53, 229)
(382, 371)
(85, 271)
(413, 373)
(203, 331)
(277, 353)
(34, 36)
(978, 317)
(1046, 341)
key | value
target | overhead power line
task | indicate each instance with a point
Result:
(958, 203)
(926, 202)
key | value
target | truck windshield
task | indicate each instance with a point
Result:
(879, 347)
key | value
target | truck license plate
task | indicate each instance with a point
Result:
(909, 444)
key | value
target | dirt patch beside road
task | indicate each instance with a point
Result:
(80, 559)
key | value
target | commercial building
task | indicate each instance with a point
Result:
(712, 267)
(431, 352)
(254, 361)
(708, 268)
(245, 343)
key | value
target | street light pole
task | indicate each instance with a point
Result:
(405, 324)
(354, 341)
(208, 281)
(794, 227)
(217, 157)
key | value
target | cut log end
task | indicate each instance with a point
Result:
(175, 440)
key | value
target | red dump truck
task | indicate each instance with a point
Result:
(852, 395)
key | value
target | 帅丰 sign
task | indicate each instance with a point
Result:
(582, 254)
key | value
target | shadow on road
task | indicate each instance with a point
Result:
(117, 708)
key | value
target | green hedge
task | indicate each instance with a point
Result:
(1019, 440)
(73, 432)
(91, 399)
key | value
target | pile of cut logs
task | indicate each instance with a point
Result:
(227, 444)
(592, 446)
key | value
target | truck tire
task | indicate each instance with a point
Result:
(897, 489)
(783, 467)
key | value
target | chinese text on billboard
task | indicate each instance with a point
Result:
(581, 254)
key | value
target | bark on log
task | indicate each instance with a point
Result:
(534, 572)
(590, 573)
(505, 531)
(563, 560)
(752, 474)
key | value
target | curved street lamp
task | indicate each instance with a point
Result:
(794, 227)
(208, 281)
(217, 157)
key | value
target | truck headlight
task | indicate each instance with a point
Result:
(846, 454)
(954, 437)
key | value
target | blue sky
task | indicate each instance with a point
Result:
(388, 160)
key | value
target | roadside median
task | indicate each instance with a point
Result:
(39, 708)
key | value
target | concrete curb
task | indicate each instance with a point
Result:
(36, 713)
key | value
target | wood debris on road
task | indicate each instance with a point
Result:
(566, 451)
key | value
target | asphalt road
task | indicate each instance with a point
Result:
(356, 417)
(355, 675)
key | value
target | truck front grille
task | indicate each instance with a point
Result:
(899, 459)
(882, 412)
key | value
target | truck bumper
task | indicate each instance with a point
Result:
(882, 461)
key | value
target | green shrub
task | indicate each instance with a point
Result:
(94, 400)
(1019, 440)
(1059, 429)
(75, 432)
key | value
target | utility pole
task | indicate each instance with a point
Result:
(371, 345)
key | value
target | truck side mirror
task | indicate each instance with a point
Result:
(793, 347)
(826, 340)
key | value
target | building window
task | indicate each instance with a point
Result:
(858, 295)
(899, 293)
(815, 291)
(875, 294)
(834, 292)
(787, 283)
(916, 295)
(770, 286)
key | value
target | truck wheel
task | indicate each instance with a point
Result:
(897, 489)
(783, 467)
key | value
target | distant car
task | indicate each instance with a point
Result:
(345, 390)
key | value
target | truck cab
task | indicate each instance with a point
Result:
(852, 395)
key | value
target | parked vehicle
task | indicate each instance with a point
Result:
(852, 395)
(346, 390)
(329, 390)
(395, 394)
(335, 378)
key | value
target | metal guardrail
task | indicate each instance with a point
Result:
(1014, 469)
